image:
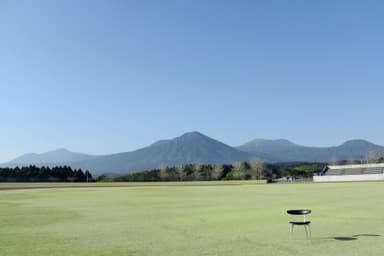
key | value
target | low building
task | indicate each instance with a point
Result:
(353, 172)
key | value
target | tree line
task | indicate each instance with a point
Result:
(252, 170)
(33, 173)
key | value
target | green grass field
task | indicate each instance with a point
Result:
(191, 219)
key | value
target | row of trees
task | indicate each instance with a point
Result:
(253, 170)
(35, 174)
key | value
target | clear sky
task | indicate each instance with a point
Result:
(109, 76)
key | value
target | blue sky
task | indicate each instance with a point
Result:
(109, 76)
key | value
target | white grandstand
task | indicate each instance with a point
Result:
(354, 172)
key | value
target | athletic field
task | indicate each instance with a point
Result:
(182, 219)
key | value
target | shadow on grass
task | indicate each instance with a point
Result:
(353, 238)
(344, 238)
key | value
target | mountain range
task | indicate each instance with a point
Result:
(194, 147)
(285, 151)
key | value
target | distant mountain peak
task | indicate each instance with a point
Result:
(283, 150)
(357, 142)
(60, 150)
(59, 156)
(187, 135)
(193, 134)
(189, 148)
(195, 147)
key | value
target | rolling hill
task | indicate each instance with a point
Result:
(194, 147)
(285, 151)
(57, 156)
(191, 147)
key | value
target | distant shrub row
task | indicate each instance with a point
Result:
(206, 172)
(253, 170)
(44, 174)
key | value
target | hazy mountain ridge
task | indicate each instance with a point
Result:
(194, 147)
(286, 151)
(191, 147)
(60, 155)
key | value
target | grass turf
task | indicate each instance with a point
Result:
(202, 219)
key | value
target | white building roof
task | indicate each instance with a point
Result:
(352, 166)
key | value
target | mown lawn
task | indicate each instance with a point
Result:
(192, 219)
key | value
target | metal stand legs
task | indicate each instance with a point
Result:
(307, 228)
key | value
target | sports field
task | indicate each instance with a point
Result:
(191, 219)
